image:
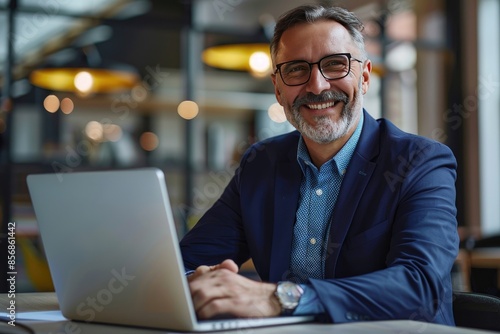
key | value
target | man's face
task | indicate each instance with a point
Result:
(322, 110)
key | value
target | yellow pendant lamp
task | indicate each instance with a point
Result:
(253, 57)
(85, 78)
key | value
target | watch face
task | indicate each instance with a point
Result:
(289, 294)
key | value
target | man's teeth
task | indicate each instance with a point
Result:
(321, 106)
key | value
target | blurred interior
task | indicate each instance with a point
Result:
(141, 62)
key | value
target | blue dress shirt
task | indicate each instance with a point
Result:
(318, 193)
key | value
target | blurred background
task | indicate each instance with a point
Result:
(183, 85)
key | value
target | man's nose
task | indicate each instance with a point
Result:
(317, 82)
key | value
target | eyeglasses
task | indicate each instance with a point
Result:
(332, 67)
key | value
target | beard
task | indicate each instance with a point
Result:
(326, 130)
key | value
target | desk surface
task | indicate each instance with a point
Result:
(40, 302)
(485, 258)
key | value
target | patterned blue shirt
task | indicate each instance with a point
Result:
(318, 194)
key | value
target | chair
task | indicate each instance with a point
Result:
(485, 280)
(476, 310)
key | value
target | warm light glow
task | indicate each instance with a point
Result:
(139, 93)
(51, 103)
(84, 82)
(112, 132)
(149, 141)
(276, 113)
(67, 105)
(102, 80)
(94, 130)
(188, 109)
(260, 62)
(234, 56)
(401, 58)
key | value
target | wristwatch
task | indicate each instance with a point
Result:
(288, 294)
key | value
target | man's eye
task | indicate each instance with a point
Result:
(296, 69)
(334, 64)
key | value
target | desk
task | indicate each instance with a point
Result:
(486, 258)
(37, 302)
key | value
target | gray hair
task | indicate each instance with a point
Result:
(314, 13)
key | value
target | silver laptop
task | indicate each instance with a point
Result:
(113, 251)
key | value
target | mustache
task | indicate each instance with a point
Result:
(323, 97)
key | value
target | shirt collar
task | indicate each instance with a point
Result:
(341, 159)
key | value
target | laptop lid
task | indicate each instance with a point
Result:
(113, 251)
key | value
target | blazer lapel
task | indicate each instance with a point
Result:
(286, 197)
(358, 174)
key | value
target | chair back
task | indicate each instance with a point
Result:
(484, 280)
(476, 310)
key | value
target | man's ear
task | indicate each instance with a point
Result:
(277, 92)
(367, 69)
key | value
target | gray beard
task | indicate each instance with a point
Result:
(326, 130)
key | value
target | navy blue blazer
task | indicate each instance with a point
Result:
(393, 237)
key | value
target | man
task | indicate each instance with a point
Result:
(347, 218)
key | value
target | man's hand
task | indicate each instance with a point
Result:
(227, 264)
(219, 290)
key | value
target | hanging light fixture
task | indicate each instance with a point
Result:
(86, 75)
(253, 57)
(83, 80)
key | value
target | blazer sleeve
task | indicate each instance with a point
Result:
(416, 282)
(219, 235)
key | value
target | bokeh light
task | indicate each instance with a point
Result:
(139, 93)
(51, 103)
(149, 141)
(112, 132)
(84, 82)
(67, 105)
(276, 113)
(259, 62)
(188, 109)
(94, 130)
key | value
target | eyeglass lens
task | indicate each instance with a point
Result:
(298, 72)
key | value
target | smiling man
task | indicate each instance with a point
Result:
(347, 218)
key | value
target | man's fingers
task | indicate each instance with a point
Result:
(203, 269)
(242, 305)
(202, 297)
(229, 265)
(216, 307)
(226, 264)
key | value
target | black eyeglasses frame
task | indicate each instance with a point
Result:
(348, 55)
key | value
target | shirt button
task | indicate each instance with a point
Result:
(312, 241)
(319, 192)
